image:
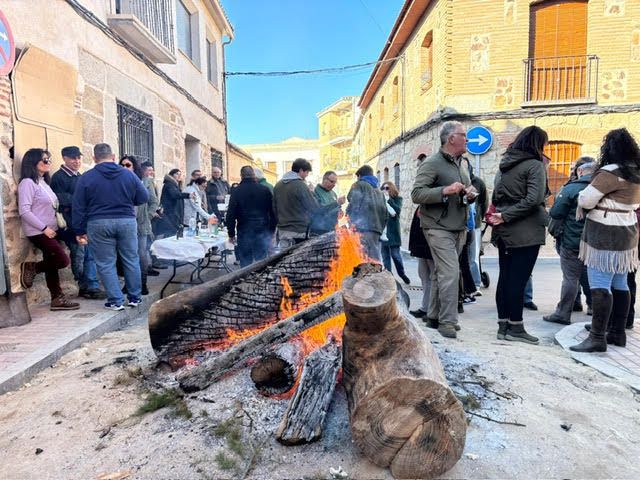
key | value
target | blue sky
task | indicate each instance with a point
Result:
(284, 35)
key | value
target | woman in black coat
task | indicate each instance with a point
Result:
(172, 200)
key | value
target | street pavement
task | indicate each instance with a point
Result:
(28, 349)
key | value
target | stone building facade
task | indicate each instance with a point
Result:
(145, 77)
(506, 69)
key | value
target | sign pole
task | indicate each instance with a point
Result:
(477, 167)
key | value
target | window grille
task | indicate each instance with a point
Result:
(216, 159)
(156, 15)
(135, 132)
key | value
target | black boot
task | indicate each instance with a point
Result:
(502, 329)
(619, 311)
(601, 310)
(145, 290)
(516, 333)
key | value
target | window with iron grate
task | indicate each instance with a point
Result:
(135, 133)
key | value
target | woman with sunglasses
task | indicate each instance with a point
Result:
(37, 205)
(391, 246)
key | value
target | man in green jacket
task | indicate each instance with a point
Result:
(326, 220)
(443, 189)
(294, 205)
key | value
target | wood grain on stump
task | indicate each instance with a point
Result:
(403, 413)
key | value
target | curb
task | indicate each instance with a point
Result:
(20, 373)
(574, 333)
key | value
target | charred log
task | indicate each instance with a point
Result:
(403, 413)
(304, 417)
(276, 371)
(213, 369)
(199, 318)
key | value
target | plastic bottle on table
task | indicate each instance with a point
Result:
(213, 221)
(192, 227)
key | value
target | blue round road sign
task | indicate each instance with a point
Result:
(7, 46)
(479, 140)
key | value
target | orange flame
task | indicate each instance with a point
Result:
(349, 255)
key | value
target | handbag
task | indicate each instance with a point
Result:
(62, 223)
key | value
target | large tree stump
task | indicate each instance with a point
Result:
(304, 417)
(276, 371)
(403, 413)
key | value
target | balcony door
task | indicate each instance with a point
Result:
(558, 50)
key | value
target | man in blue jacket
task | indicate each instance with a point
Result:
(564, 210)
(103, 214)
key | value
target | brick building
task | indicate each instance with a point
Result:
(505, 64)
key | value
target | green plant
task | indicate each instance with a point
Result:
(166, 398)
(225, 462)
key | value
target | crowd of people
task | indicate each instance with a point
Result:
(594, 221)
(108, 217)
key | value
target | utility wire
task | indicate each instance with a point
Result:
(346, 68)
(372, 17)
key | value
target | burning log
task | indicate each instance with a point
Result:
(303, 420)
(213, 369)
(276, 371)
(201, 317)
(403, 413)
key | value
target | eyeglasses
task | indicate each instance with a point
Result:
(46, 161)
(127, 165)
(384, 188)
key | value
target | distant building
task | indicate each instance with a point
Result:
(278, 157)
(146, 77)
(336, 125)
(570, 67)
(238, 158)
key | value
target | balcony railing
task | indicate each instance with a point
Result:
(560, 80)
(148, 25)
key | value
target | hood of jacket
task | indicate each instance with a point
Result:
(170, 179)
(290, 176)
(583, 179)
(371, 180)
(513, 157)
(110, 170)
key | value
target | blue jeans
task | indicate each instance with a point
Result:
(83, 266)
(252, 246)
(389, 253)
(607, 280)
(108, 239)
(528, 291)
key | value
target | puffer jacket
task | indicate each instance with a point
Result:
(519, 193)
(564, 209)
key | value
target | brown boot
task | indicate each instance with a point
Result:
(63, 303)
(27, 274)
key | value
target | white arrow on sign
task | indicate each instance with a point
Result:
(481, 140)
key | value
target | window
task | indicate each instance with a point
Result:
(378, 176)
(559, 66)
(426, 61)
(563, 155)
(212, 62)
(386, 174)
(183, 19)
(382, 113)
(396, 175)
(216, 159)
(369, 128)
(135, 133)
(395, 96)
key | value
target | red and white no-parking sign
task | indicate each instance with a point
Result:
(7, 46)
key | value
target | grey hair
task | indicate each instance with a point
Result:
(102, 151)
(447, 130)
(247, 172)
(259, 173)
(586, 168)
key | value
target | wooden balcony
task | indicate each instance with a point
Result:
(560, 80)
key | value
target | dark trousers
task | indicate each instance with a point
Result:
(252, 246)
(53, 259)
(584, 284)
(468, 285)
(516, 265)
(392, 253)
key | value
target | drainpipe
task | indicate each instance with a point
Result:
(224, 104)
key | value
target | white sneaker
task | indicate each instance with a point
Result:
(113, 306)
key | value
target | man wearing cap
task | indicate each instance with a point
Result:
(63, 183)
